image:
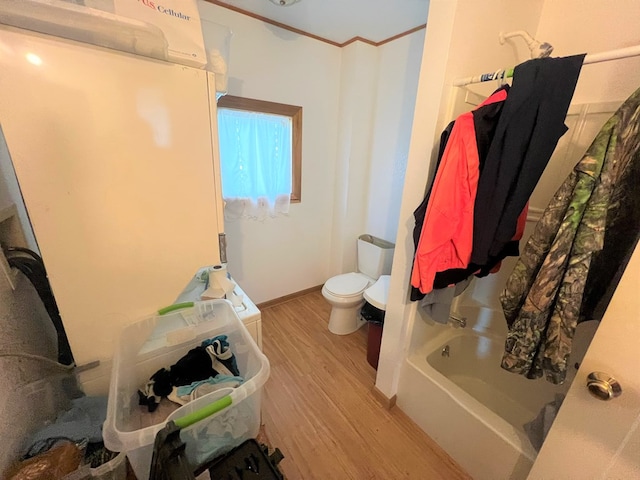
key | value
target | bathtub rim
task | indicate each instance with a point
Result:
(498, 425)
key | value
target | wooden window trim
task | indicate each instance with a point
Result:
(262, 106)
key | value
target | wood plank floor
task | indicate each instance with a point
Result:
(318, 408)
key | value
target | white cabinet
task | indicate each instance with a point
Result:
(116, 162)
(250, 315)
(244, 306)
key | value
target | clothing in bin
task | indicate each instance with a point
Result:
(204, 369)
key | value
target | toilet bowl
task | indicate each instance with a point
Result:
(345, 294)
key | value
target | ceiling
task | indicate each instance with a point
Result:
(341, 20)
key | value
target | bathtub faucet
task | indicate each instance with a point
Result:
(457, 320)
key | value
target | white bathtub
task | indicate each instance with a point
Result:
(473, 408)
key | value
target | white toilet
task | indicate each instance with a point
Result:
(345, 292)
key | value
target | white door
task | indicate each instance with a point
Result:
(591, 438)
(113, 154)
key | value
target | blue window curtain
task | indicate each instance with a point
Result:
(255, 154)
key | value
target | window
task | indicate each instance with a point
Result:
(260, 156)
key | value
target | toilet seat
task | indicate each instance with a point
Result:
(378, 293)
(347, 285)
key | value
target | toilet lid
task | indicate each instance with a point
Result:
(378, 293)
(347, 285)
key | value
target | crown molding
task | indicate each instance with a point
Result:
(311, 35)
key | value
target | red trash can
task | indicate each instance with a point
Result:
(375, 318)
(373, 344)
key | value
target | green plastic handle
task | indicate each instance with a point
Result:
(174, 307)
(204, 412)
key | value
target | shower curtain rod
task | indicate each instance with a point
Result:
(594, 58)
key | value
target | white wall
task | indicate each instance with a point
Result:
(602, 87)
(10, 193)
(358, 85)
(397, 79)
(377, 97)
(357, 110)
(457, 44)
(285, 254)
(592, 26)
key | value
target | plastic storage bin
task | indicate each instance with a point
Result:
(115, 469)
(159, 341)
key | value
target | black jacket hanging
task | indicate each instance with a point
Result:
(531, 123)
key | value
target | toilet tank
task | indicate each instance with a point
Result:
(374, 256)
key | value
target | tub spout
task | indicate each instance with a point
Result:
(445, 351)
(457, 320)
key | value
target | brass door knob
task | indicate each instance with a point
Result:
(603, 386)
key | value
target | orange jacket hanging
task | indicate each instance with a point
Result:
(446, 240)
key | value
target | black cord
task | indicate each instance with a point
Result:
(33, 268)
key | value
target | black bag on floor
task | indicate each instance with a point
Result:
(248, 460)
